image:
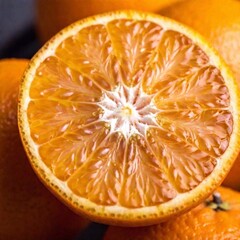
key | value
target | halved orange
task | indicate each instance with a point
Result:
(129, 118)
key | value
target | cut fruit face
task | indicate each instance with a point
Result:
(129, 118)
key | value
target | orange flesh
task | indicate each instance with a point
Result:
(129, 114)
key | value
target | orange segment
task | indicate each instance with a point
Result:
(185, 164)
(129, 117)
(134, 47)
(79, 144)
(208, 130)
(66, 117)
(90, 52)
(145, 183)
(56, 81)
(175, 57)
(205, 89)
(100, 178)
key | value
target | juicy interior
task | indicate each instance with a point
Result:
(128, 113)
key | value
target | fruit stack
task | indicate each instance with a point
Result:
(130, 118)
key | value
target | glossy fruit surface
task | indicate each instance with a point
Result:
(129, 117)
(54, 15)
(28, 210)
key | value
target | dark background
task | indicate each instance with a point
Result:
(17, 29)
(18, 39)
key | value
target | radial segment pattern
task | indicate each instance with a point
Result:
(129, 113)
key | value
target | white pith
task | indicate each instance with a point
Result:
(128, 110)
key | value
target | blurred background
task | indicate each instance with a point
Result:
(17, 29)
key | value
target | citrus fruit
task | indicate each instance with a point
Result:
(28, 210)
(129, 118)
(219, 22)
(217, 218)
(54, 15)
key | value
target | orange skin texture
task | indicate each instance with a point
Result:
(28, 210)
(201, 223)
(219, 22)
(54, 15)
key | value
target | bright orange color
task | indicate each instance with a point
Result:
(54, 15)
(200, 223)
(27, 209)
(129, 117)
(219, 22)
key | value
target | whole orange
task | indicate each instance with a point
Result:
(210, 220)
(27, 210)
(219, 22)
(54, 15)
